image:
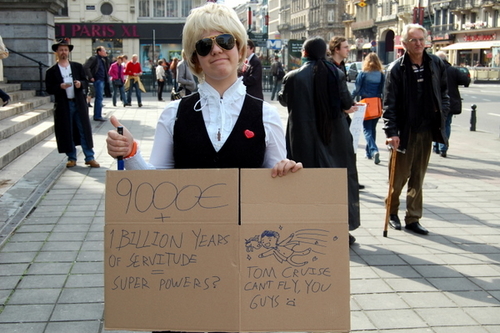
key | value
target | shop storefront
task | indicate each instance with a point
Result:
(125, 39)
(481, 50)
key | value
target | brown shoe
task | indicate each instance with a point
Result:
(70, 164)
(93, 164)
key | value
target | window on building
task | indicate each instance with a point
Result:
(106, 8)
(64, 10)
(144, 8)
(494, 22)
(159, 8)
(165, 8)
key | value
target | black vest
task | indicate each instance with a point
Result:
(244, 148)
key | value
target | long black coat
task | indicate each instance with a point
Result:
(303, 141)
(455, 78)
(64, 130)
(252, 77)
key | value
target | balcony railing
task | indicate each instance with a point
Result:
(298, 26)
(443, 28)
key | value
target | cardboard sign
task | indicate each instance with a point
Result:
(227, 251)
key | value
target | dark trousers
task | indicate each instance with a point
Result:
(161, 84)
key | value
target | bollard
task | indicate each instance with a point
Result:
(473, 117)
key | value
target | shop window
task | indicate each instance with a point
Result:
(113, 46)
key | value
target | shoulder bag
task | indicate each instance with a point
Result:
(373, 107)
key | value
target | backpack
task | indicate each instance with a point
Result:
(280, 73)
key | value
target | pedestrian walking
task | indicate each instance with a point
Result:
(369, 85)
(96, 68)
(416, 103)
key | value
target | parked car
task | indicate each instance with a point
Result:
(464, 70)
(354, 70)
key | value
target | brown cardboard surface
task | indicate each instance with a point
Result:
(295, 279)
(172, 196)
(283, 269)
(316, 195)
(180, 277)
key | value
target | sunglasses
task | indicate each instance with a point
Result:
(225, 41)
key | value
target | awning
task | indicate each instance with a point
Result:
(353, 47)
(367, 46)
(473, 45)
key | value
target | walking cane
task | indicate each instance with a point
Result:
(391, 189)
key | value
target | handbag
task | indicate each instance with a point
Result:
(373, 107)
(174, 95)
(118, 82)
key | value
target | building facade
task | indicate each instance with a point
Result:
(152, 29)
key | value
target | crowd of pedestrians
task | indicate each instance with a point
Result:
(319, 103)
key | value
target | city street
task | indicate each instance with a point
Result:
(51, 265)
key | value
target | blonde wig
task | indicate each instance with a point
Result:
(211, 17)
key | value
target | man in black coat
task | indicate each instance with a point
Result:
(252, 72)
(66, 80)
(96, 68)
(416, 104)
(317, 133)
(455, 78)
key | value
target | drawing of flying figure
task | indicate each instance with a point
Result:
(282, 251)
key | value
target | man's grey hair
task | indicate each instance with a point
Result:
(408, 27)
(442, 55)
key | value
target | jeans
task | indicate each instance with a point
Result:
(441, 147)
(276, 87)
(134, 85)
(122, 94)
(87, 151)
(370, 131)
(99, 93)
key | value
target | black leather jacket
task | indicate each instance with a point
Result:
(397, 99)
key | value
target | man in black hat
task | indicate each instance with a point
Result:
(66, 80)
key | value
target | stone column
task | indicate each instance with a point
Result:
(27, 27)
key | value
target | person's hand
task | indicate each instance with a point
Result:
(119, 145)
(353, 109)
(284, 166)
(77, 84)
(65, 85)
(393, 142)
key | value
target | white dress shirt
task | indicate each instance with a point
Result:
(220, 116)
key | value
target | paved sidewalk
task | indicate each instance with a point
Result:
(51, 268)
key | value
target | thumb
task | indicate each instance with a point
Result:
(115, 122)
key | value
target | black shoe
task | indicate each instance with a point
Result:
(128, 104)
(140, 105)
(361, 187)
(89, 105)
(352, 239)
(114, 104)
(377, 158)
(443, 154)
(160, 100)
(100, 119)
(394, 222)
(417, 228)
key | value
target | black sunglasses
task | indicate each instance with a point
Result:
(225, 41)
